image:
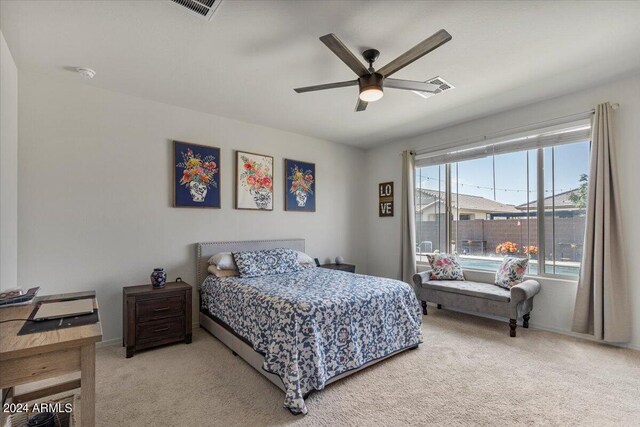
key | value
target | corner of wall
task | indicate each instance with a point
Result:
(8, 167)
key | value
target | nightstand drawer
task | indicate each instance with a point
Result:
(159, 308)
(158, 330)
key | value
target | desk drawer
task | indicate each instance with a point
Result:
(160, 330)
(159, 308)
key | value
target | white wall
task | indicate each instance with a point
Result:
(554, 305)
(95, 182)
(8, 168)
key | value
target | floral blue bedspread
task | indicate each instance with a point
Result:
(314, 324)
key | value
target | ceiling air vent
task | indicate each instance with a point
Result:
(204, 8)
(443, 86)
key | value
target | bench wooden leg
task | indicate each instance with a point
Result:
(525, 320)
(424, 308)
(512, 326)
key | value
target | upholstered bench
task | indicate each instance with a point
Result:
(479, 297)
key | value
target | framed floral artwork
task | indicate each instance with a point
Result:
(196, 180)
(254, 181)
(300, 184)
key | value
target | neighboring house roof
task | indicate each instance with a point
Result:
(466, 202)
(559, 201)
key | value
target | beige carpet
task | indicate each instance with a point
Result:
(467, 372)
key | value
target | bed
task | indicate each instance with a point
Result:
(306, 329)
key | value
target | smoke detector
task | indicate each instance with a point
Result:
(86, 73)
(443, 85)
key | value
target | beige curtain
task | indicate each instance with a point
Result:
(602, 302)
(408, 253)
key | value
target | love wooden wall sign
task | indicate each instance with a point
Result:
(385, 196)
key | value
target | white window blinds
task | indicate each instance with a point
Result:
(566, 134)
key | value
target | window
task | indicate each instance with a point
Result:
(527, 202)
(430, 212)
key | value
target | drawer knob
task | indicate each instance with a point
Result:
(161, 309)
(161, 329)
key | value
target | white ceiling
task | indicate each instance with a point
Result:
(245, 63)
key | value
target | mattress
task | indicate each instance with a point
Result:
(317, 323)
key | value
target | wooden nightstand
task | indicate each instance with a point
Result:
(350, 268)
(153, 317)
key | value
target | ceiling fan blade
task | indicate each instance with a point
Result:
(416, 52)
(361, 105)
(326, 86)
(344, 54)
(410, 85)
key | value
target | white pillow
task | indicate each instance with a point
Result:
(224, 261)
(304, 258)
(222, 273)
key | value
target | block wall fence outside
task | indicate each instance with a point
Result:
(569, 235)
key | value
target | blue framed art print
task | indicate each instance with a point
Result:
(300, 186)
(196, 179)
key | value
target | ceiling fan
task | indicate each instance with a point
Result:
(370, 80)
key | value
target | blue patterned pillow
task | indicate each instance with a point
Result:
(266, 262)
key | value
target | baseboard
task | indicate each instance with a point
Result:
(109, 343)
(534, 325)
(572, 334)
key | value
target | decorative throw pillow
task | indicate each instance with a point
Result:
(224, 261)
(222, 273)
(304, 258)
(511, 272)
(445, 267)
(266, 262)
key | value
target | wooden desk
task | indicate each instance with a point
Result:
(35, 357)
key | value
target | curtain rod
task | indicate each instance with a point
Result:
(614, 106)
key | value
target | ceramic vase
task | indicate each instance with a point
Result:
(301, 198)
(262, 198)
(158, 278)
(198, 191)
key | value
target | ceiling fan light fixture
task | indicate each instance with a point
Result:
(371, 87)
(371, 95)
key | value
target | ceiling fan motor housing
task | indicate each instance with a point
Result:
(372, 81)
(371, 87)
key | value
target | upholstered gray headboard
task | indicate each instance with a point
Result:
(206, 250)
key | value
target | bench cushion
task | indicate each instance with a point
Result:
(474, 289)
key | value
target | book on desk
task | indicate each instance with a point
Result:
(17, 296)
